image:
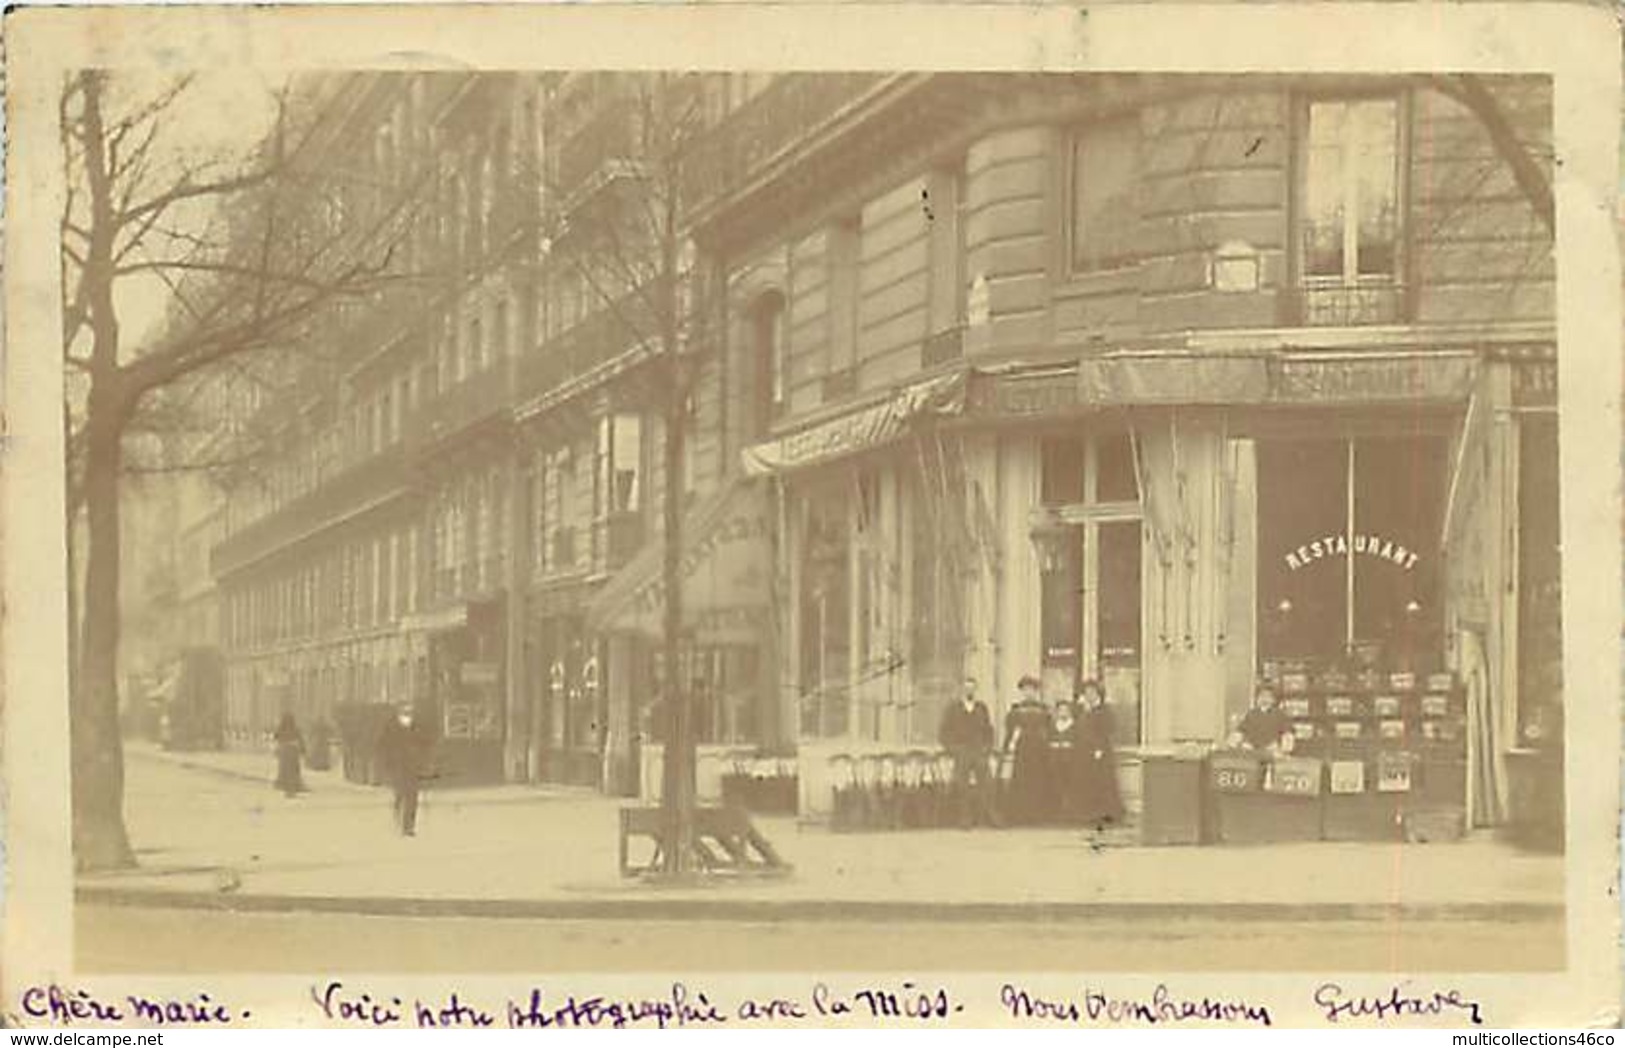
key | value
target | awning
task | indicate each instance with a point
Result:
(726, 567)
(1420, 376)
(858, 430)
(1174, 379)
(452, 618)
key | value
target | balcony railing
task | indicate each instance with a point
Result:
(623, 537)
(610, 134)
(366, 481)
(596, 340)
(564, 549)
(480, 396)
(791, 108)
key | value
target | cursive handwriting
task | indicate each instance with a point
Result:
(360, 1010)
(1337, 1005)
(682, 1008)
(67, 1006)
(1161, 1007)
(907, 1001)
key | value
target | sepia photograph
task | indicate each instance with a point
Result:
(706, 517)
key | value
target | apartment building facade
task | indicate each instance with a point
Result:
(1167, 382)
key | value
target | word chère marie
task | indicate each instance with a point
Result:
(1338, 546)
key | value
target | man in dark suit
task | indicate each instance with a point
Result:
(967, 734)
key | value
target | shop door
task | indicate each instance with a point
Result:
(1111, 620)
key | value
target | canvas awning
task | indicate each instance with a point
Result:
(439, 621)
(1277, 378)
(1175, 379)
(726, 568)
(858, 430)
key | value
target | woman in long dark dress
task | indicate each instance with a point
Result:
(1067, 770)
(1026, 738)
(1101, 802)
(290, 748)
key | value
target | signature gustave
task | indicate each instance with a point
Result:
(1338, 1004)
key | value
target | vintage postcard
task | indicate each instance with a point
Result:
(749, 515)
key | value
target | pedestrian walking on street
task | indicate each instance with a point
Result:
(405, 753)
(1102, 800)
(1027, 733)
(321, 745)
(290, 749)
(967, 734)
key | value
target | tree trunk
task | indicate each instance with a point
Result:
(677, 794)
(99, 837)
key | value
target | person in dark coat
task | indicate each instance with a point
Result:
(1067, 769)
(1027, 732)
(404, 750)
(1265, 727)
(290, 749)
(321, 745)
(1100, 800)
(966, 733)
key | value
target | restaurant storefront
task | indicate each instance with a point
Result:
(1178, 530)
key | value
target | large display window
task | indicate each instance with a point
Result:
(1348, 540)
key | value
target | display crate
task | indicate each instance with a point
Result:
(1267, 818)
(1172, 800)
(1364, 816)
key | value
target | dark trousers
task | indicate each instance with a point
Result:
(406, 806)
(973, 784)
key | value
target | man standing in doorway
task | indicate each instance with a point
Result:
(967, 734)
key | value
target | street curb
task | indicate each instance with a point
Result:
(772, 910)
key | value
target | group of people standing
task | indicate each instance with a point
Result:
(404, 747)
(1062, 765)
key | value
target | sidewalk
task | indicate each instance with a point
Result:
(210, 831)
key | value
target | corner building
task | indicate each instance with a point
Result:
(1175, 383)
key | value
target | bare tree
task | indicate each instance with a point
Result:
(625, 241)
(246, 250)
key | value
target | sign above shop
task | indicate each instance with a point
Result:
(1024, 395)
(1340, 545)
(1348, 378)
(726, 568)
(1534, 384)
(858, 430)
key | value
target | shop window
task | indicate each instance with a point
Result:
(843, 257)
(825, 613)
(1062, 469)
(1348, 549)
(1103, 169)
(1540, 607)
(1350, 228)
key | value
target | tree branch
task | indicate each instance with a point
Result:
(1471, 91)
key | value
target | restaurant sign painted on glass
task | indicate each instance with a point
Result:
(1341, 545)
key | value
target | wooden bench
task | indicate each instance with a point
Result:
(724, 840)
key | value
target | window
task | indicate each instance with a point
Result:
(943, 203)
(1104, 166)
(1348, 547)
(1090, 591)
(626, 455)
(499, 330)
(825, 641)
(476, 348)
(1350, 228)
(843, 256)
(770, 360)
